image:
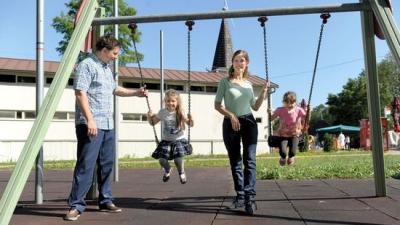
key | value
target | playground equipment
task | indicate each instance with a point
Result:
(368, 9)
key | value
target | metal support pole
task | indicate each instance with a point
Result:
(373, 101)
(349, 7)
(39, 95)
(116, 103)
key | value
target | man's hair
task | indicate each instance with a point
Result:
(107, 41)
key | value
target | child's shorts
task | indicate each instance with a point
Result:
(172, 149)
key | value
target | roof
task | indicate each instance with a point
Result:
(339, 128)
(50, 67)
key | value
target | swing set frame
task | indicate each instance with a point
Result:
(368, 8)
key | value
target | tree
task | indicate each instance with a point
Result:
(64, 24)
(350, 105)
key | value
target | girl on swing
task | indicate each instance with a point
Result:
(290, 126)
(173, 144)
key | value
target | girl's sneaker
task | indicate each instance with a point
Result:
(290, 161)
(282, 161)
(182, 177)
(166, 175)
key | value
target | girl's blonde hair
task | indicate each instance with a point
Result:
(289, 97)
(180, 116)
(246, 56)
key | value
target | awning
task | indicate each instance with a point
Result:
(339, 128)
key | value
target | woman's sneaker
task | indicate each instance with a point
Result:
(238, 202)
(282, 161)
(183, 178)
(166, 175)
(290, 161)
(250, 207)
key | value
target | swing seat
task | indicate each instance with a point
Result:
(189, 149)
(274, 141)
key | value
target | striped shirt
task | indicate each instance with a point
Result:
(96, 79)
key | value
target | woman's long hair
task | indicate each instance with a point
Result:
(246, 56)
(180, 115)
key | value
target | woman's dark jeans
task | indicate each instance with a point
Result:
(244, 179)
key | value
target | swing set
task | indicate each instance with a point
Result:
(374, 13)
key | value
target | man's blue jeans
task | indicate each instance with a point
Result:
(91, 151)
(244, 179)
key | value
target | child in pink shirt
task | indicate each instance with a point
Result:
(290, 126)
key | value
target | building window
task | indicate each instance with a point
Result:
(71, 115)
(70, 82)
(152, 86)
(211, 89)
(26, 79)
(29, 115)
(197, 88)
(175, 87)
(134, 117)
(7, 114)
(19, 115)
(60, 116)
(7, 78)
(50, 79)
(130, 85)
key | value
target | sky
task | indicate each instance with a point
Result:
(292, 40)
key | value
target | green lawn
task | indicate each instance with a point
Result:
(309, 165)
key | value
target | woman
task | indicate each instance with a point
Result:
(239, 124)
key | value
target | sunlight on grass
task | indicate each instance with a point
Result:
(309, 165)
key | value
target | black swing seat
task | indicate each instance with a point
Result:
(274, 141)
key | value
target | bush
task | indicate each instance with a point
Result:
(303, 146)
(328, 142)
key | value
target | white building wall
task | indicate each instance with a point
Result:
(136, 138)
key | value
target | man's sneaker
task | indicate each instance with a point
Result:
(250, 207)
(110, 208)
(72, 215)
(282, 161)
(183, 178)
(238, 202)
(166, 176)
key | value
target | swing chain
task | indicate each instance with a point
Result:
(133, 28)
(324, 17)
(262, 20)
(189, 24)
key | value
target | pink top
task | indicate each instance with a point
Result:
(290, 121)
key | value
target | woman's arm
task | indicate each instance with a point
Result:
(261, 96)
(234, 120)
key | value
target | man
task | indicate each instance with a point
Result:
(94, 89)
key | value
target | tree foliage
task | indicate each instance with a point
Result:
(350, 105)
(64, 24)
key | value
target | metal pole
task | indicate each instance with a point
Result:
(347, 7)
(116, 103)
(162, 75)
(373, 101)
(39, 95)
